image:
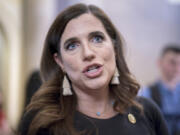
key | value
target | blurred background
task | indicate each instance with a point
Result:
(146, 26)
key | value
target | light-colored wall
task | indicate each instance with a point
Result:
(12, 60)
(38, 16)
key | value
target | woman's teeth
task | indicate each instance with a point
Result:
(92, 69)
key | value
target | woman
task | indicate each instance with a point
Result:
(87, 86)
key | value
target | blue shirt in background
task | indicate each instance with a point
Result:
(170, 100)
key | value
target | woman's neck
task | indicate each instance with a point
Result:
(95, 103)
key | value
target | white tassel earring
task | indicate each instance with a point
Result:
(66, 87)
(115, 78)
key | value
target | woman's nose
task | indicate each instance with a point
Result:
(88, 52)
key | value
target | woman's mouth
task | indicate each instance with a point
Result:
(93, 71)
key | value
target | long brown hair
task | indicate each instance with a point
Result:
(55, 111)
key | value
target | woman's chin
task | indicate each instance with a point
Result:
(97, 85)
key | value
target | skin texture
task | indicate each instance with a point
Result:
(169, 65)
(90, 45)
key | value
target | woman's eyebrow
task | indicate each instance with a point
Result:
(95, 33)
(70, 40)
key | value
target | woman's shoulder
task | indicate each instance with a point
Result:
(147, 104)
(153, 115)
(25, 123)
(150, 109)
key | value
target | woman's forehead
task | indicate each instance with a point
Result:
(82, 25)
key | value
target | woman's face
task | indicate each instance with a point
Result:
(87, 53)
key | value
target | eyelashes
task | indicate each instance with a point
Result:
(71, 46)
(74, 44)
(97, 39)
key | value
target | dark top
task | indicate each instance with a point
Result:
(33, 84)
(151, 123)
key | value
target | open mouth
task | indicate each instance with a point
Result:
(93, 71)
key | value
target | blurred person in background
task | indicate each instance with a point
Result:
(4, 127)
(166, 90)
(87, 87)
(33, 84)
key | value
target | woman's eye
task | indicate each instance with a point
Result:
(97, 39)
(71, 46)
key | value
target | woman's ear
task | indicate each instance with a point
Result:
(58, 61)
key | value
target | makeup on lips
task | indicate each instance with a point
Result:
(93, 70)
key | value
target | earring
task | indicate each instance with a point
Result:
(115, 79)
(66, 87)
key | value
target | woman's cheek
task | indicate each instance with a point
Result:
(109, 54)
